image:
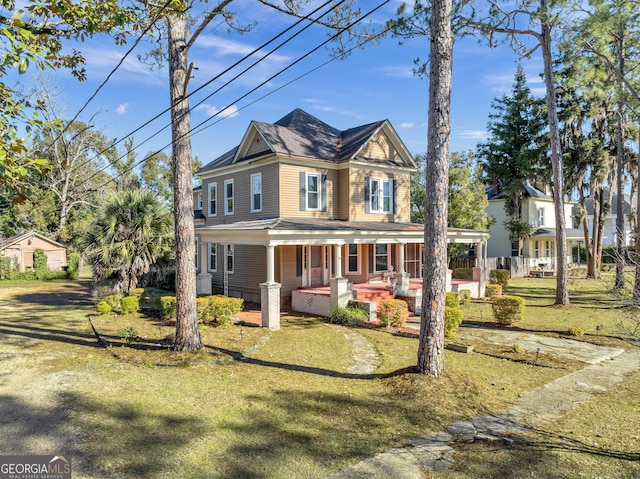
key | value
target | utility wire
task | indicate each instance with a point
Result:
(201, 124)
(216, 77)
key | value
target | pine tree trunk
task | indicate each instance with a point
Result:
(620, 256)
(562, 287)
(431, 345)
(187, 332)
(636, 284)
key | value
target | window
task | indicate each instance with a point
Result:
(213, 257)
(547, 248)
(381, 259)
(515, 248)
(313, 191)
(199, 205)
(540, 216)
(230, 258)
(536, 249)
(353, 259)
(197, 256)
(213, 199)
(380, 196)
(256, 192)
(228, 197)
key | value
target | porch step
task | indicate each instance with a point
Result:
(374, 295)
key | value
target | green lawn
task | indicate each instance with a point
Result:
(289, 410)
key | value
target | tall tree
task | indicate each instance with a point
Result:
(33, 34)
(515, 153)
(431, 343)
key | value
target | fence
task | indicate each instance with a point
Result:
(518, 266)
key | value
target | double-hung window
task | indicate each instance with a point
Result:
(256, 192)
(313, 191)
(353, 259)
(381, 259)
(213, 199)
(213, 257)
(380, 196)
(228, 197)
(230, 258)
(199, 206)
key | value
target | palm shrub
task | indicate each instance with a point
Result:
(392, 312)
(452, 321)
(132, 233)
(508, 310)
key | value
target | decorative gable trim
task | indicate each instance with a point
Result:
(253, 144)
(395, 141)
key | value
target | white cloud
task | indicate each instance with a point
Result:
(406, 124)
(473, 135)
(101, 61)
(122, 109)
(400, 71)
(211, 110)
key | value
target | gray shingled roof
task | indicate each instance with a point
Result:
(529, 192)
(571, 233)
(301, 134)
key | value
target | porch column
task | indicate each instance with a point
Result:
(402, 286)
(479, 271)
(203, 280)
(341, 294)
(270, 294)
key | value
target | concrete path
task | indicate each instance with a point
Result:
(536, 408)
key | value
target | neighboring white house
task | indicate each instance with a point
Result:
(609, 230)
(539, 250)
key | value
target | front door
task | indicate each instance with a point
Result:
(316, 272)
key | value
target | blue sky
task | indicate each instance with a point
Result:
(371, 84)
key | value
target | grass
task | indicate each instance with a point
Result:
(287, 410)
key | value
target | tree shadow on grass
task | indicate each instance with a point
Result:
(103, 439)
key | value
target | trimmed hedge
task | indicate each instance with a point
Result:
(492, 290)
(500, 276)
(452, 321)
(224, 308)
(351, 315)
(451, 299)
(130, 304)
(137, 292)
(392, 312)
(508, 310)
(168, 307)
(465, 296)
(103, 307)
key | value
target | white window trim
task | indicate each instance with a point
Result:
(227, 198)
(319, 192)
(197, 258)
(215, 246)
(226, 260)
(375, 256)
(358, 260)
(256, 175)
(199, 201)
(213, 186)
(380, 182)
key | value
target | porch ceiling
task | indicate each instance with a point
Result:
(295, 231)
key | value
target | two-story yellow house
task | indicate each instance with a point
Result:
(299, 204)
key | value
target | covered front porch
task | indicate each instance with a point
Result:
(320, 264)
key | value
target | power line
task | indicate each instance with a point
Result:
(193, 129)
(148, 122)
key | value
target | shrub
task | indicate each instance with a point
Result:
(500, 276)
(224, 308)
(462, 273)
(127, 335)
(40, 263)
(114, 301)
(51, 275)
(492, 290)
(452, 299)
(575, 331)
(73, 265)
(351, 315)
(137, 292)
(5, 268)
(516, 348)
(130, 304)
(465, 296)
(508, 309)
(103, 307)
(392, 312)
(204, 309)
(452, 321)
(168, 307)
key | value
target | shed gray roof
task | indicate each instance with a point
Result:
(529, 192)
(301, 134)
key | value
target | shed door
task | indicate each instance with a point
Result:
(27, 259)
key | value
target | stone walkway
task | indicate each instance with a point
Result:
(536, 408)
(365, 357)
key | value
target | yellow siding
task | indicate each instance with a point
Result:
(380, 148)
(288, 278)
(357, 203)
(290, 191)
(344, 199)
(242, 195)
